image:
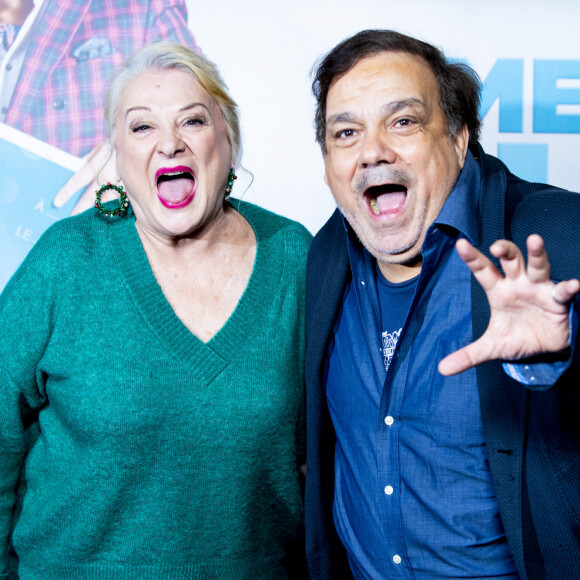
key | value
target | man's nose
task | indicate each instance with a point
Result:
(170, 143)
(376, 148)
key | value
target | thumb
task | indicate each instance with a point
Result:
(464, 358)
(85, 175)
(79, 180)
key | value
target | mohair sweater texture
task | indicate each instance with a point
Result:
(141, 451)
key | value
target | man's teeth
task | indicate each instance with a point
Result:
(375, 206)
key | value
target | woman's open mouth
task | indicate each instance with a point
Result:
(175, 186)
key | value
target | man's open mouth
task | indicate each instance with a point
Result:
(389, 198)
(175, 186)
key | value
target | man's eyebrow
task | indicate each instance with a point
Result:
(387, 109)
(341, 118)
(395, 106)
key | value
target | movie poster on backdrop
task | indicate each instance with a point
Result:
(527, 55)
(30, 171)
(56, 60)
(530, 100)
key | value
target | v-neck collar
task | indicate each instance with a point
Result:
(204, 360)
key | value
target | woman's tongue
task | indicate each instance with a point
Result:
(387, 203)
(176, 189)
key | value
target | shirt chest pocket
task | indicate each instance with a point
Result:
(452, 413)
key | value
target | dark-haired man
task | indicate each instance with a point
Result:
(443, 396)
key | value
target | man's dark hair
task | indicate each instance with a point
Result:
(459, 85)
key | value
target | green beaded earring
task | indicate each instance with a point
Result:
(232, 175)
(123, 201)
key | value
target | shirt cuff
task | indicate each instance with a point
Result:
(543, 375)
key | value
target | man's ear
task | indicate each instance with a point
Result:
(461, 142)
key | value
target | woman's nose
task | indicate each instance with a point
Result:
(170, 144)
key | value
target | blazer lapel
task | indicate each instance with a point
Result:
(325, 298)
(503, 400)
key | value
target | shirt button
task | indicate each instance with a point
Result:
(4, 110)
(389, 420)
(389, 490)
(362, 282)
(397, 559)
(58, 104)
(8, 67)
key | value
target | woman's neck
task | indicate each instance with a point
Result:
(226, 229)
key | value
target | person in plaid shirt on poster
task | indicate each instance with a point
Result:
(57, 58)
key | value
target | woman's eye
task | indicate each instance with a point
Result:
(195, 121)
(139, 128)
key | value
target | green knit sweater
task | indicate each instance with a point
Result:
(144, 452)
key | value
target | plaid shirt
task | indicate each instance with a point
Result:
(74, 49)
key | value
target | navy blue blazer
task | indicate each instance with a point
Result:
(532, 437)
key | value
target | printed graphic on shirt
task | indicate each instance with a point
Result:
(390, 340)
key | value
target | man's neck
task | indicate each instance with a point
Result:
(15, 11)
(397, 273)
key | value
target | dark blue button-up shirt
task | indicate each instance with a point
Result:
(413, 490)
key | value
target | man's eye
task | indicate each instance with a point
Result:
(345, 134)
(404, 122)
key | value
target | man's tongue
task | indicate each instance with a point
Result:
(175, 190)
(387, 203)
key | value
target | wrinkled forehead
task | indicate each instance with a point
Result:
(386, 75)
(155, 81)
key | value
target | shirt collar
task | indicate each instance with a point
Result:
(460, 209)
